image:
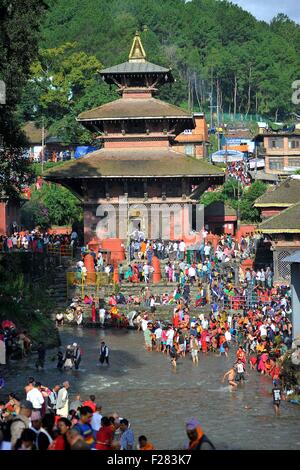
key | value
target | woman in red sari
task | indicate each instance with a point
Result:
(203, 341)
(93, 312)
(135, 276)
(105, 435)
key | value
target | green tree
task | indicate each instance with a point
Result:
(63, 83)
(19, 36)
(248, 212)
(51, 205)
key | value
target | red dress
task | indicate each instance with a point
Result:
(93, 313)
(203, 341)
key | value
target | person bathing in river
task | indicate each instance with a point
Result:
(231, 376)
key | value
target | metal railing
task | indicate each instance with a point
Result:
(88, 281)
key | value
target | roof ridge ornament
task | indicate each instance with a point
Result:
(137, 52)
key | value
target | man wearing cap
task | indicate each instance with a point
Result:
(21, 421)
(36, 424)
(198, 440)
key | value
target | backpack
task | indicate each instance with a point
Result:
(5, 428)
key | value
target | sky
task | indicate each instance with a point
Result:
(267, 9)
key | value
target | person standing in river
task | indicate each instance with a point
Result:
(104, 353)
(41, 350)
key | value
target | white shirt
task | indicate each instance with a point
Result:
(206, 250)
(158, 333)
(192, 271)
(263, 330)
(144, 324)
(36, 398)
(96, 421)
(227, 335)
(181, 246)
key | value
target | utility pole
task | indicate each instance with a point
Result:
(43, 144)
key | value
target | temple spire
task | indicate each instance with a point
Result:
(137, 52)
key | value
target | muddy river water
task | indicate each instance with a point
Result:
(157, 399)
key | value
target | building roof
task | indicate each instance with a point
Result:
(263, 176)
(133, 162)
(134, 108)
(33, 133)
(284, 195)
(288, 221)
(218, 209)
(133, 68)
(136, 64)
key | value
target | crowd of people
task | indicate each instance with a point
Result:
(239, 171)
(36, 241)
(47, 419)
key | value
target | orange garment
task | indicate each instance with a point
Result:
(200, 434)
(148, 446)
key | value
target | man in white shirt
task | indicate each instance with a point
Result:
(192, 274)
(207, 249)
(144, 324)
(170, 337)
(102, 315)
(158, 333)
(146, 268)
(35, 397)
(228, 336)
(96, 419)
(182, 249)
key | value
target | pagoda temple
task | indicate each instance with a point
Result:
(138, 161)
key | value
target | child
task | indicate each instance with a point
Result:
(277, 396)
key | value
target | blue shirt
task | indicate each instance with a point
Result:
(127, 439)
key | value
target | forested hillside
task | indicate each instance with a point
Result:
(211, 45)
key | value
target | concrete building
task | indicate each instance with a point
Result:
(281, 151)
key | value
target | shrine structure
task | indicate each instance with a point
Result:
(138, 166)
